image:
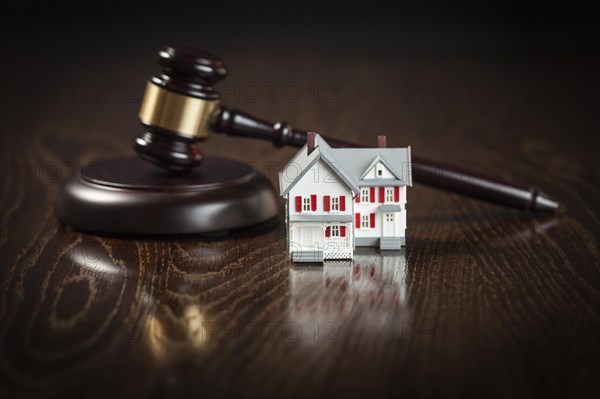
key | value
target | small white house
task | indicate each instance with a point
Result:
(339, 198)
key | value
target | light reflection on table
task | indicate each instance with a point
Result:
(367, 292)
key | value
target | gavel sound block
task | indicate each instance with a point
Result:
(171, 188)
(131, 196)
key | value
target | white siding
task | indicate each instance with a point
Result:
(295, 166)
(402, 216)
(366, 208)
(321, 181)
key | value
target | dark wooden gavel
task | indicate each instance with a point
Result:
(181, 107)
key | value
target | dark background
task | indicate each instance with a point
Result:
(508, 89)
(520, 55)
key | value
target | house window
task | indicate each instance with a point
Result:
(335, 230)
(389, 194)
(335, 203)
(364, 194)
(389, 217)
(364, 221)
(306, 204)
(379, 171)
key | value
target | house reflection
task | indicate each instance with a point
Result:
(368, 291)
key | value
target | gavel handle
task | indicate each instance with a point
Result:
(234, 122)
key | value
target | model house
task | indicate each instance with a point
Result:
(339, 198)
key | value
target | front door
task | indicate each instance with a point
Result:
(389, 222)
(309, 237)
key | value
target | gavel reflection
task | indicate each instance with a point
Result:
(181, 108)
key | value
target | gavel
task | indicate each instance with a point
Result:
(181, 108)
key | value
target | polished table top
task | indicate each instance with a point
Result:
(484, 301)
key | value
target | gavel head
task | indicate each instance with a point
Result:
(177, 107)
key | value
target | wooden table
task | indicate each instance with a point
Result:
(484, 302)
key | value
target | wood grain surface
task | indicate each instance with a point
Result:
(483, 302)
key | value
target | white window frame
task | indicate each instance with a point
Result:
(335, 204)
(389, 217)
(365, 194)
(379, 170)
(306, 205)
(365, 221)
(334, 231)
(389, 194)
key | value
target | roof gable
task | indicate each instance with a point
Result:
(296, 168)
(303, 162)
(355, 161)
(373, 164)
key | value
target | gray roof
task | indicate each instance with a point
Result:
(350, 164)
(390, 208)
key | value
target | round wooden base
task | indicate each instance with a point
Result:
(131, 196)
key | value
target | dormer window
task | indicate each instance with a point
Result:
(379, 170)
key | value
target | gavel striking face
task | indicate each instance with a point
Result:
(177, 107)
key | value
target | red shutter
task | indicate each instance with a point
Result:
(358, 197)
(313, 202)
(397, 194)
(343, 231)
(342, 203)
(372, 220)
(382, 194)
(327, 203)
(298, 203)
(372, 194)
(328, 231)
(357, 221)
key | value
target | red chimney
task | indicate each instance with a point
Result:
(310, 142)
(381, 142)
